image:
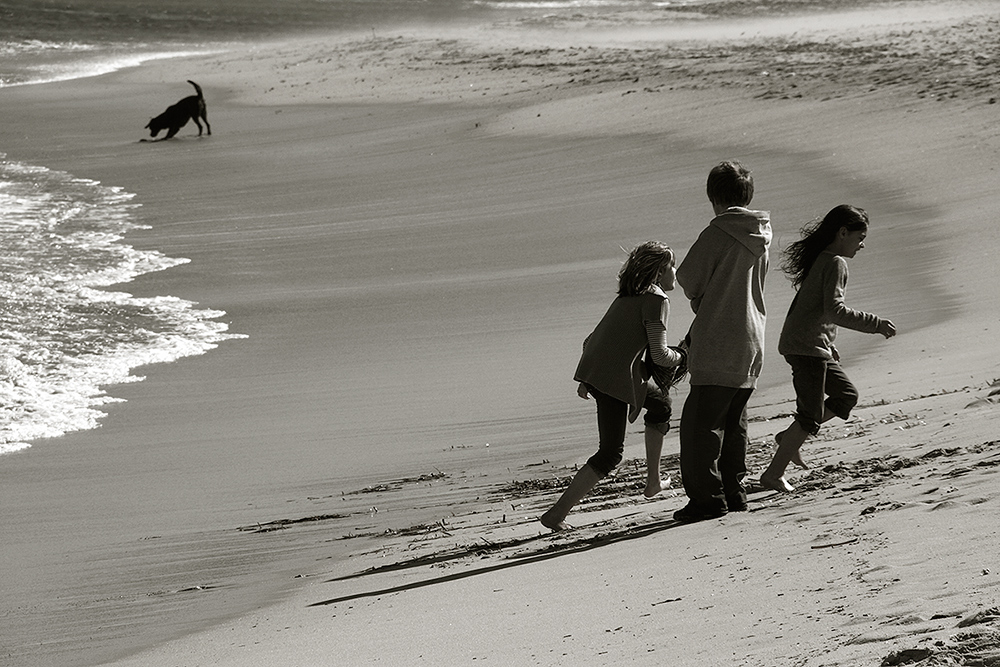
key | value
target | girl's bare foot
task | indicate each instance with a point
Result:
(776, 484)
(797, 460)
(554, 523)
(797, 457)
(652, 489)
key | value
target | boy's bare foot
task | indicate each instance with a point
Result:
(554, 523)
(776, 484)
(652, 490)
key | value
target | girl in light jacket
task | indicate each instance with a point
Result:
(817, 266)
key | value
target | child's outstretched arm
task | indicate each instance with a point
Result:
(886, 328)
(834, 287)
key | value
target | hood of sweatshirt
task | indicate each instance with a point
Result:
(751, 228)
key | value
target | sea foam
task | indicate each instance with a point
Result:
(64, 336)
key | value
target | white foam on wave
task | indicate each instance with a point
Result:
(53, 62)
(30, 46)
(63, 338)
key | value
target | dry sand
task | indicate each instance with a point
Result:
(887, 551)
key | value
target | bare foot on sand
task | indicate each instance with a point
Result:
(554, 523)
(776, 484)
(652, 490)
(797, 457)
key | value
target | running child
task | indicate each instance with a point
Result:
(817, 267)
(612, 370)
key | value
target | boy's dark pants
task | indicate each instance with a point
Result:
(713, 438)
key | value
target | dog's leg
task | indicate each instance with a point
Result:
(203, 112)
(195, 119)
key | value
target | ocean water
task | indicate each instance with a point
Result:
(50, 40)
(45, 40)
(65, 333)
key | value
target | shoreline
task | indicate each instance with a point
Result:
(613, 110)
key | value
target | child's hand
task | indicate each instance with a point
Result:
(582, 392)
(887, 328)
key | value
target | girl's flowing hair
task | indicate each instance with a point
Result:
(642, 267)
(817, 235)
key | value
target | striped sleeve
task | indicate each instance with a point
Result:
(659, 352)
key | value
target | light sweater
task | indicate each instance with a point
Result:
(612, 355)
(818, 308)
(723, 276)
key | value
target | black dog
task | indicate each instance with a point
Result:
(177, 116)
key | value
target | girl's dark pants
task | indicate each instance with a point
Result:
(820, 385)
(714, 448)
(612, 421)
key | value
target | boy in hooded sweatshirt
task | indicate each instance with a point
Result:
(723, 276)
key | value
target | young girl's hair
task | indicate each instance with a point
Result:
(642, 267)
(817, 236)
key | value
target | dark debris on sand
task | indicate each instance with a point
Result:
(977, 645)
(397, 484)
(628, 480)
(281, 524)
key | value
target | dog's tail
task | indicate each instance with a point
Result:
(197, 88)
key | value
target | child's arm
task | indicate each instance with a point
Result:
(582, 390)
(660, 353)
(654, 319)
(656, 336)
(695, 272)
(886, 328)
(837, 312)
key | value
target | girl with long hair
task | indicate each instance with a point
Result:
(817, 267)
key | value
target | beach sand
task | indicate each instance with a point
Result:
(416, 229)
